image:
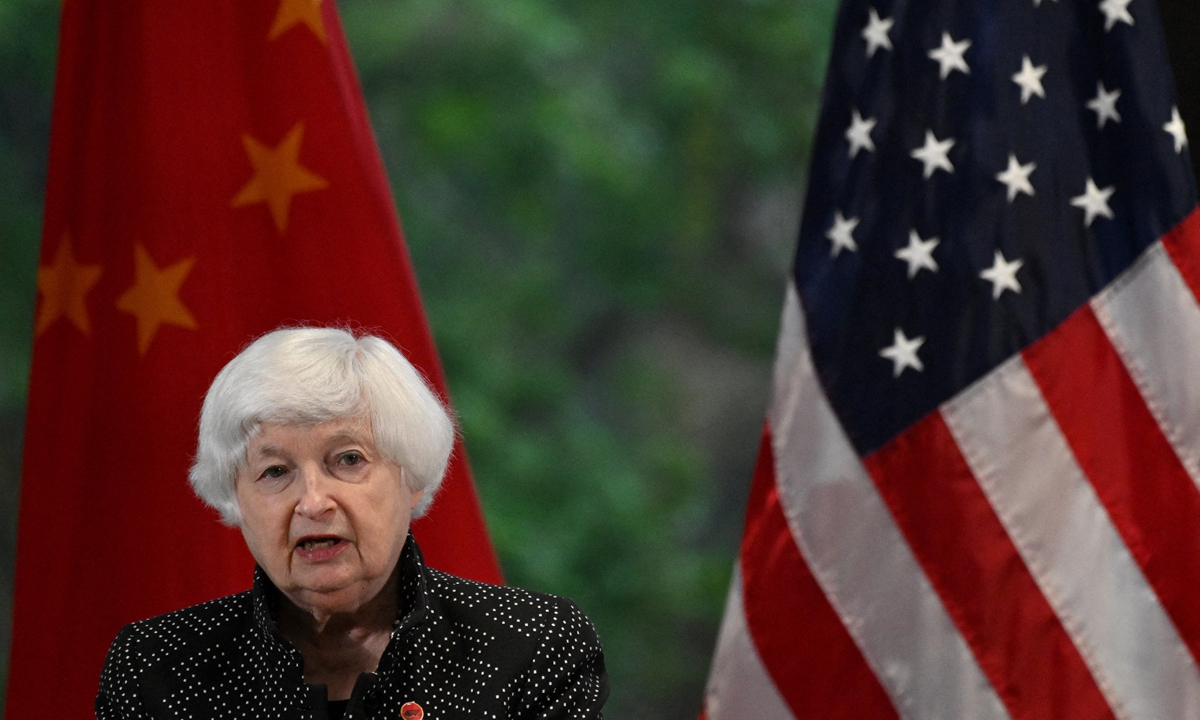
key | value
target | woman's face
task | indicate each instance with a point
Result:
(323, 512)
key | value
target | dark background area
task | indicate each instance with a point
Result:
(1181, 23)
(601, 201)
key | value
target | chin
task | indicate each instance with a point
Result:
(324, 583)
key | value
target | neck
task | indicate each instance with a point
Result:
(315, 622)
(338, 646)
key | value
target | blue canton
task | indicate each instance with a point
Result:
(982, 168)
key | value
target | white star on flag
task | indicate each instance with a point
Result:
(950, 55)
(1177, 130)
(934, 154)
(1114, 11)
(842, 234)
(1016, 177)
(1105, 105)
(903, 353)
(1038, 3)
(1002, 275)
(1094, 201)
(1029, 78)
(859, 134)
(876, 33)
(918, 254)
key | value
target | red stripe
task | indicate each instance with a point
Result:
(975, 569)
(1148, 493)
(813, 661)
(1183, 245)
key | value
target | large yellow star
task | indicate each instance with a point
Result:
(294, 12)
(64, 287)
(154, 297)
(278, 175)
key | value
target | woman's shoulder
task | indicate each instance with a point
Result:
(544, 646)
(523, 611)
(162, 646)
(162, 636)
(197, 620)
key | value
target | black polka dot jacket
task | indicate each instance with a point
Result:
(460, 649)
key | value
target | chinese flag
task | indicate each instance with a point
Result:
(212, 176)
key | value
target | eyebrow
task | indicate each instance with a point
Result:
(269, 451)
(348, 436)
(344, 436)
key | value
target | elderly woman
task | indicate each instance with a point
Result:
(321, 447)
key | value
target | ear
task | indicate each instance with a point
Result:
(415, 499)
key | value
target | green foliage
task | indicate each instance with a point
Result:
(601, 201)
(28, 32)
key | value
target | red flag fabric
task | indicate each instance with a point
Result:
(978, 491)
(212, 175)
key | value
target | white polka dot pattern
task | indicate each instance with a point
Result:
(460, 649)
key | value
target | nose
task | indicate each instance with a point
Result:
(316, 499)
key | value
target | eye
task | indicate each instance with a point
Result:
(352, 457)
(274, 472)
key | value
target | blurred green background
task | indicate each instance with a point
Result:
(601, 201)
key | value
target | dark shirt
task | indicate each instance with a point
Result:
(337, 709)
(460, 649)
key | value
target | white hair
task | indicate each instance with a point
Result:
(307, 376)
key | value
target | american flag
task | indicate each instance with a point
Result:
(977, 495)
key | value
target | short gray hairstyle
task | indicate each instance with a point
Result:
(311, 375)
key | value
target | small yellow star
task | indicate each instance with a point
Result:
(278, 175)
(154, 297)
(294, 12)
(64, 287)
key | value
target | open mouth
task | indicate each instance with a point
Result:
(317, 543)
(319, 548)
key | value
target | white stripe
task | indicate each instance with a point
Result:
(1153, 321)
(857, 554)
(1050, 510)
(738, 684)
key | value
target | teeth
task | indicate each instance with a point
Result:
(315, 544)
